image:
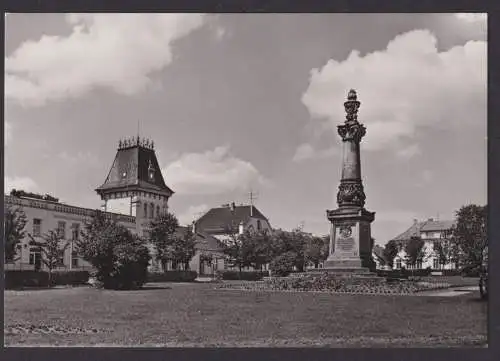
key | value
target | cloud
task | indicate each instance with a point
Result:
(192, 213)
(306, 151)
(79, 158)
(425, 178)
(20, 183)
(409, 151)
(113, 51)
(408, 85)
(212, 172)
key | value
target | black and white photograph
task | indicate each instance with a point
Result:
(232, 180)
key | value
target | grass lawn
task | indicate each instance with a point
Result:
(187, 315)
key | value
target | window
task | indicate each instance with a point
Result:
(435, 263)
(60, 259)
(61, 229)
(157, 211)
(74, 259)
(151, 210)
(145, 210)
(419, 264)
(259, 225)
(35, 257)
(75, 231)
(37, 227)
(398, 263)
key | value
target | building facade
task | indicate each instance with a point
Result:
(432, 232)
(133, 193)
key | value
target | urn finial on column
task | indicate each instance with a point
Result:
(351, 106)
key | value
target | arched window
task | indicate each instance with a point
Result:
(145, 210)
(151, 210)
(157, 211)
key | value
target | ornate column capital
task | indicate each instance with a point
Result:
(351, 193)
(352, 131)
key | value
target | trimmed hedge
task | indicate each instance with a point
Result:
(229, 275)
(404, 273)
(29, 278)
(73, 278)
(172, 276)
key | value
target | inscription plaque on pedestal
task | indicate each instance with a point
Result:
(345, 241)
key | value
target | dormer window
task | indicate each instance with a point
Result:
(151, 172)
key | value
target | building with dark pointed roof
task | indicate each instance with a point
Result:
(232, 219)
(135, 168)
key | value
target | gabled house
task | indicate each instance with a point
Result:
(231, 219)
(430, 231)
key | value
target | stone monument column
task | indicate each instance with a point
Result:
(350, 239)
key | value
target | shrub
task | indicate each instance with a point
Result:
(119, 257)
(451, 272)
(72, 278)
(29, 278)
(229, 275)
(283, 264)
(172, 276)
(25, 278)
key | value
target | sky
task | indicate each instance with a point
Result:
(240, 102)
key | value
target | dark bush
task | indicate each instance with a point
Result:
(392, 274)
(25, 278)
(72, 278)
(282, 265)
(18, 279)
(470, 271)
(229, 275)
(172, 276)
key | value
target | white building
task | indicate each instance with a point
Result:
(431, 232)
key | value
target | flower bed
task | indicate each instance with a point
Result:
(338, 284)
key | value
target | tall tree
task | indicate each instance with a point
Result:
(470, 234)
(234, 249)
(445, 250)
(52, 248)
(256, 248)
(14, 224)
(391, 250)
(184, 248)
(316, 249)
(415, 251)
(291, 243)
(162, 234)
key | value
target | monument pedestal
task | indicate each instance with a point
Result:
(350, 241)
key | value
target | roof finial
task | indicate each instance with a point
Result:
(120, 144)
